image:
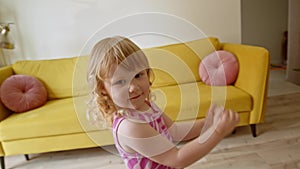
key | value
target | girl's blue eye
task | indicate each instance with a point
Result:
(120, 82)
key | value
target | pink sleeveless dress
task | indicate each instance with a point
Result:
(155, 120)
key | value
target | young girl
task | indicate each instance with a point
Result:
(119, 75)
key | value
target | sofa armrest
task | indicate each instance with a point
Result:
(5, 72)
(253, 76)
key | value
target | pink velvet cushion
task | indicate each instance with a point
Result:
(219, 68)
(21, 93)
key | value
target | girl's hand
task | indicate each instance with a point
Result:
(227, 121)
(220, 121)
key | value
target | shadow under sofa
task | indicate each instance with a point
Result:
(60, 124)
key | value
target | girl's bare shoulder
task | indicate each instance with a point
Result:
(137, 129)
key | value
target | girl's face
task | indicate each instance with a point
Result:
(128, 88)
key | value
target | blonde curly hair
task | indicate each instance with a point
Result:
(104, 55)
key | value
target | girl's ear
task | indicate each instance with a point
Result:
(103, 91)
(150, 76)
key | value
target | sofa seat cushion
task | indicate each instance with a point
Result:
(196, 98)
(56, 117)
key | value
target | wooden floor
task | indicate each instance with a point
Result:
(276, 147)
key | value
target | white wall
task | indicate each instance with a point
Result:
(47, 29)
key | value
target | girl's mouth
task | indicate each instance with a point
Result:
(135, 97)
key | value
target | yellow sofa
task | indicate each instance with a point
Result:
(61, 123)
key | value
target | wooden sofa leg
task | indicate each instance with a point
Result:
(234, 131)
(2, 163)
(27, 157)
(253, 129)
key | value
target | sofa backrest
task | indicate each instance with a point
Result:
(172, 64)
(56, 74)
(179, 63)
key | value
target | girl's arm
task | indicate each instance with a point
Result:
(185, 130)
(142, 138)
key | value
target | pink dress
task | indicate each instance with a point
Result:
(136, 160)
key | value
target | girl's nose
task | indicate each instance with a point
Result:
(132, 86)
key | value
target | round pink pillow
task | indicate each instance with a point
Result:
(21, 93)
(219, 68)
